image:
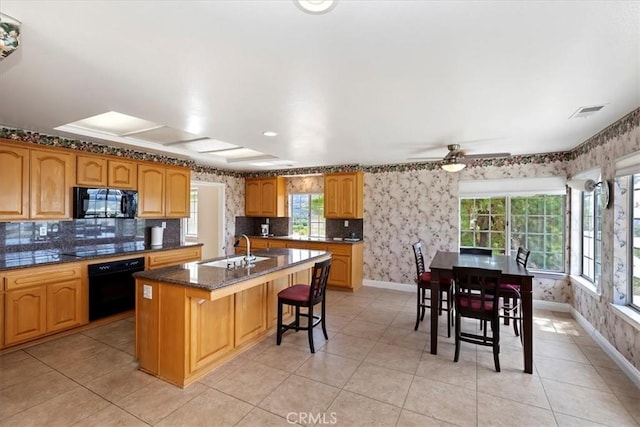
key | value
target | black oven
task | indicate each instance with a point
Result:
(112, 287)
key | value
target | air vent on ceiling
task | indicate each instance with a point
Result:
(584, 112)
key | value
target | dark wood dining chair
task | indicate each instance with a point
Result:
(423, 280)
(476, 251)
(474, 299)
(307, 296)
(511, 296)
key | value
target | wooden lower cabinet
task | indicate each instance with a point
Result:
(173, 257)
(214, 323)
(25, 314)
(43, 300)
(182, 333)
(250, 314)
(64, 305)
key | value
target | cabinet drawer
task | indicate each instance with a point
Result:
(339, 249)
(162, 259)
(42, 275)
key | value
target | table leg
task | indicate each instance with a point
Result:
(527, 325)
(435, 303)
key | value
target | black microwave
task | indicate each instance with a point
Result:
(104, 203)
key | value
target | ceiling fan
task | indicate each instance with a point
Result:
(455, 160)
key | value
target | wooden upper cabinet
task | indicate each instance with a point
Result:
(343, 195)
(52, 176)
(177, 193)
(14, 175)
(151, 191)
(265, 197)
(122, 174)
(91, 171)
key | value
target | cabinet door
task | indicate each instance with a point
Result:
(150, 191)
(64, 305)
(348, 203)
(24, 314)
(332, 196)
(213, 336)
(174, 257)
(178, 192)
(253, 197)
(123, 174)
(250, 314)
(273, 288)
(340, 273)
(14, 175)
(91, 171)
(51, 181)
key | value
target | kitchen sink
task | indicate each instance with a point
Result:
(237, 261)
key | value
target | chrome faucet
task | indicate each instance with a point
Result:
(248, 258)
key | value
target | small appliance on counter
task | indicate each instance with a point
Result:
(264, 230)
(353, 237)
(156, 236)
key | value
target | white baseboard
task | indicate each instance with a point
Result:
(619, 359)
(631, 371)
(389, 285)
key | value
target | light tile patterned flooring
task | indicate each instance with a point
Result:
(374, 370)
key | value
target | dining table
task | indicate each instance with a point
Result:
(511, 272)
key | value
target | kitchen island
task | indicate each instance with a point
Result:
(193, 317)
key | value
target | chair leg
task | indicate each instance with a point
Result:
(423, 306)
(515, 321)
(297, 324)
(310, 329)
(417, 308)
(324, 326)
(279, 331)
(457, 352)
(495, 324)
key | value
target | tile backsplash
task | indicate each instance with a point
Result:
(63, 235)
(280, 227)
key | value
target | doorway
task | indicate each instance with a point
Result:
(207, 202)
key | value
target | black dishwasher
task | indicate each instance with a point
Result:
(112, 287)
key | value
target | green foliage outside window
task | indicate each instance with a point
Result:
(307, 214)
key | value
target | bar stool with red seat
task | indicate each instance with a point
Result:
(423, 280)
(306, 296)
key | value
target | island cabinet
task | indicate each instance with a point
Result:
(43, 300)
(185, 331)
(265, 197)
(163, 192)
(343, 195)
(102, 171)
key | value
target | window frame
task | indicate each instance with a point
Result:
(192, 219)
(320, 223)
(630, 295)
(509, 232)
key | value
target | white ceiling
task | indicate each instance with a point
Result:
(371, 82)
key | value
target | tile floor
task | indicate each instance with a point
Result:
(374, 370)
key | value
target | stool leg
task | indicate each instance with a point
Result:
(279, 332)
(419, 291)
(324, 326)
(310, 329)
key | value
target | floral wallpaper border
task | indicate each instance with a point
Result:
(618, 128)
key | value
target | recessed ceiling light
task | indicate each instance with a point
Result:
(269, 133)
(316, 7)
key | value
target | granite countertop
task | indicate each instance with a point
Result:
(310, 239)
(202, 276)
(35, 258)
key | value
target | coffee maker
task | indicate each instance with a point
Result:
(264, 230)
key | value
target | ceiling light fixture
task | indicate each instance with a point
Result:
(316, 7)
(452, 164)
(269, 133)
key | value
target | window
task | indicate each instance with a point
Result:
(634, 283)
(534, 222)
(591, 236)
(192, 221)
(307, 214)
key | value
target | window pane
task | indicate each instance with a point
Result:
(307, 214)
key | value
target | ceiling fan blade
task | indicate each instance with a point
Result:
(425, 159)
(486, 155)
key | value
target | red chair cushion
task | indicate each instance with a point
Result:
(299, 293)
(507, 288)
(426, 277)
(475, 303)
